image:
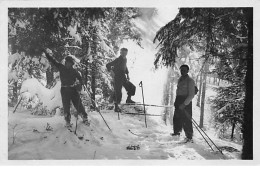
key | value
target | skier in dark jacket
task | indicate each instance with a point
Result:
(183, 104)
(69, 88)
(121, 78)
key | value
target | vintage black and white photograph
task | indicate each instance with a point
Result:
(171, 82)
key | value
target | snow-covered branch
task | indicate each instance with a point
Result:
(239, 37)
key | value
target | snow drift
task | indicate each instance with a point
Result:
(51, 98)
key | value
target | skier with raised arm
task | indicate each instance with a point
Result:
(69, 87)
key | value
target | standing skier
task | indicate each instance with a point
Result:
(121, 78)
(69, 88)
(183, 102)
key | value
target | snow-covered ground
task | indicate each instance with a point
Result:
(40, 138)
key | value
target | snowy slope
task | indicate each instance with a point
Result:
(33, 141)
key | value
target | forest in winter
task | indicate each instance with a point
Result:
(217, 44)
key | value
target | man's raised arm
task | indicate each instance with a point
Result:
(51, 59)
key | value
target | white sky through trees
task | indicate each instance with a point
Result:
(140, 60)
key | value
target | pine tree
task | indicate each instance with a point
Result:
(231, 34)
(90, 34)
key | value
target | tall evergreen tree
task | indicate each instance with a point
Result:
(231, 30)
(91, 34)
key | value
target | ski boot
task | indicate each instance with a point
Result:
(67, 118)
(188, 140)
(68, 125)
(84, 117)
(128, 100)
(85, 121)
(117, 109)
(175, 134)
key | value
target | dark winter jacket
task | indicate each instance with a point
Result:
(119, 64)
(186, 87)
(68, 76)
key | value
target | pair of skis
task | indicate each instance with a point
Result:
(141, 85)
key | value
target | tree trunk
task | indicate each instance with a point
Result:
(197, 78)
(219, 81)
(49, 77)
(203, 100)
(165, 102)
(85, 72)
(215, 80)
(93, 83)
(198, 100)
(15, 95)
(168, 96)
(233, 129)
(247, 152)
(94, 66)
(85, 61)
(171, 101)
(206, 69)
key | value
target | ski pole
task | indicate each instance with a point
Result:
(208, 137)
(141, 104)
(101, 114)
(197, 127)
(202, 135)
(98, 111)
(103, 119)
(17, 104)
(136, 134)
(194, 123)
(75, 132)
(140, 114)
(141, 85)
(134, 104)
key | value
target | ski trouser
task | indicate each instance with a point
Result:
(71, 94)
(182, 120)
(121, 81)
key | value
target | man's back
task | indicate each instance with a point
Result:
(68, 76)
(119, 65)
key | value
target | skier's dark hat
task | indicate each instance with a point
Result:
(69, 59)
(185, 66)
(124, 49)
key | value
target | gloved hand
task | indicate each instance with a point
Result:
(47, 51)
(78, 87)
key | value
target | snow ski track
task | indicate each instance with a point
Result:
(87, 132)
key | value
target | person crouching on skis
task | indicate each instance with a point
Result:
(69, 89)
(121, 78)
